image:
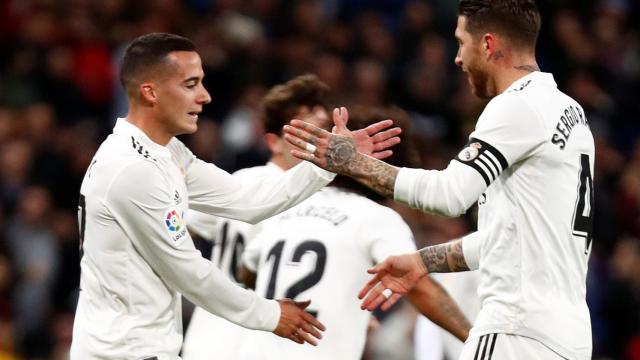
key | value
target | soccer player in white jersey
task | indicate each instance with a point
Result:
(137, 255)
(529, 165)
(320, 249)
(304, 97)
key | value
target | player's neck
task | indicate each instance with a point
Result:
(280, 162)
(513, 70)
(144, 120)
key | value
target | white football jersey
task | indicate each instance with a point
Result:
(209, 336)
(138, 257)
(529, 164)
(320, 250)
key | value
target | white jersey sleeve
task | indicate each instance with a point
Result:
(203, 225)
(215, 191)
(141, 204)
(497, 143)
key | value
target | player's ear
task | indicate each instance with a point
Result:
(489, 45)
(274, 143)
(147, 92)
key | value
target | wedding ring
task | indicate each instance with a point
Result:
(387, 293)
(310, 148)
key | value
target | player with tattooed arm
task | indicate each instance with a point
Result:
(529, 165)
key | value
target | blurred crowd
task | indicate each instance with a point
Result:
(59, 98)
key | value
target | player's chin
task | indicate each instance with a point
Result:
(190, 126)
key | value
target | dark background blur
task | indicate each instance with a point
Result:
(59, 98)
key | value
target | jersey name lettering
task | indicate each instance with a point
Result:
(571, 117)
(331, 214)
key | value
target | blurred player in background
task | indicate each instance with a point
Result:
(304, 97)
(320, 249)
(529, 164)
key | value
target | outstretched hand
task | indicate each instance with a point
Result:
(398, 274)
(296, 324)
(335, 150)
(376, 140)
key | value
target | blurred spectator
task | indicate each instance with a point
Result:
(34, 249)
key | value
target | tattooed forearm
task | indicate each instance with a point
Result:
(446, 257)
(456, 256)
(530, 68)
(343, 158)
(375, 174)
(435, 258)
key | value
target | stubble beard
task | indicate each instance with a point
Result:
(479, 81)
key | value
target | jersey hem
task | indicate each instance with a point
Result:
(530, 333)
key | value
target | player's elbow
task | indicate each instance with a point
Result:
(451, 207)
(456, 209)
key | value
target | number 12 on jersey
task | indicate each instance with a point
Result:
(583, 213)
(306, 282)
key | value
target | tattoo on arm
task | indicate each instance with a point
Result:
(343, 158)
(529, 68)
(446, 257)
(340, 152)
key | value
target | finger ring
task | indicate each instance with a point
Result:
(310, 148)
(387, 293)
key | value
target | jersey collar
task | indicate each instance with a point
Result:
(273, 168)
(537, 76)
(124, 127)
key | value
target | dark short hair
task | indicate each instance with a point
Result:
(516, 20)
(283, 101)
(404, 154)
(148, 51)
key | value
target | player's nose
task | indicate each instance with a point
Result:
(205, 97)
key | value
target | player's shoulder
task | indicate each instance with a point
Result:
(124, 156)
(124, 148)
(258, 171)
(512, 111)
(358, 205)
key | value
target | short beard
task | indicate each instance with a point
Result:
(480, 84)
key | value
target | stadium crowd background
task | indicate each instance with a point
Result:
(59, 98)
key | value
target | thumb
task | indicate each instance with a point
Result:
(340, 118)
(302, 304)
(376, 269)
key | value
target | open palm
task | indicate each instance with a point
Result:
(399, 274)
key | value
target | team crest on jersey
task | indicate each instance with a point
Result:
(470, 152)
(173, 222)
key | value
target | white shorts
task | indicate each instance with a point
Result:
(506, 347)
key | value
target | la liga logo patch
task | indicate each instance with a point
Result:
(173, 221)
(176, 227)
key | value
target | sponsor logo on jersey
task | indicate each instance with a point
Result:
(177, 198)
(470, 152)
(173, 222)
